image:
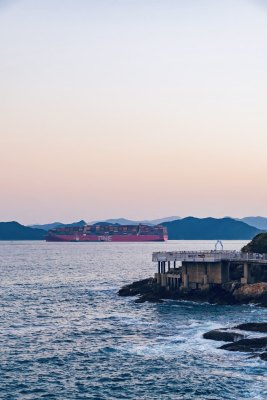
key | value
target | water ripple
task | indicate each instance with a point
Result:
(65, 334)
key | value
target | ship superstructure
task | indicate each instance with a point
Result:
(108, 233)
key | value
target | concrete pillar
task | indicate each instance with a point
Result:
(185, 281)
(174, 264)
(158, 278)
(205, 279)
(245, 278)
(158, 267)
(169, 266)
(163, 280)
(163, 269)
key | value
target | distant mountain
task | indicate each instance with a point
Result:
(15, 231)
(113, 221)
(257, 222)
(161, 220)
(46, 227)
(124, 221)
(191, 228)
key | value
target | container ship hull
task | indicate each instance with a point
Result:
(106, 238)
(108, 233)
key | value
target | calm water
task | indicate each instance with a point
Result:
(65, 334)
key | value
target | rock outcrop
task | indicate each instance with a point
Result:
(242, 342)
(223, 335)
(227, 294)
(252, 293)
(253, 327)
(247, 345)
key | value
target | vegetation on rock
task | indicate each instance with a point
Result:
(257, 245)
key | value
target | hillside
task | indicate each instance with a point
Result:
(191, 228)
(15, 231)
(257, 245)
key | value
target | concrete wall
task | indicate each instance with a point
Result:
(203, 273)
(195, 271)
(198, 275)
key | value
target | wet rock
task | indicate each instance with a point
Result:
(150, 297)
(223, 335)
(219, 294)
(247, 345)
(227, 294)
(253, 327)
(138, 287)
(263, 356)
(147, 289)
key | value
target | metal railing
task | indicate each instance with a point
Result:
(210, 255)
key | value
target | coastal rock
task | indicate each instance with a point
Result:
(227, 294)
(223, 335)
(263, 356)
(138, 287)
(256, 345)
(253, 327)
(252, 293)
(247, 345)
(150, 297)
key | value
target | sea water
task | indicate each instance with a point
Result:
(66, 334)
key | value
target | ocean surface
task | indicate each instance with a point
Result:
(66, 334)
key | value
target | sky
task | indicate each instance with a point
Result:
(133, 108)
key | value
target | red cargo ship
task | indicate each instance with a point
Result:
(108, 233)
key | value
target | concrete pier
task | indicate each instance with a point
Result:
(200, 270)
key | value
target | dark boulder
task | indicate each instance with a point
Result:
(247, 345)
(150, 297)
(138, 287)
(253, 327)
(263, 356)
(223, 335)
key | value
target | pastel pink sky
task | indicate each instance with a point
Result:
(141, 109)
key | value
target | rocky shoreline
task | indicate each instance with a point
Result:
(239, 339)
(242, 338)
(227, 294)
